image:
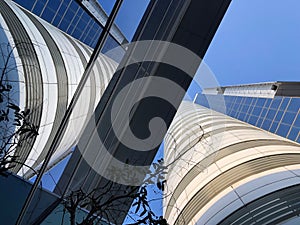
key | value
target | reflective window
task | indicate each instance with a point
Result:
(259, 122)
(278, 116)
(264, 112)
(294, 105)
(245, 108)
(274, 127)
(28, 5)
(241, 116)
(294, 133)
(48, 14)
(38, 7)
(248, 101)
(297, 121)
(253, 120)
(271, 114)
(275, 103)
(284, 103)
(266, 124)
(268, 114)
(268, 102)
(261, 102)
(256, 111)
(283, 130)
(53, 5)
(288, 118)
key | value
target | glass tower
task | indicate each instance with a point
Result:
(83, 22)
(271, 106)
(225, 171)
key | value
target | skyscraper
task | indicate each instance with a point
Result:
(46, 67)
(272, 106)
(225, 171)
(83, 20)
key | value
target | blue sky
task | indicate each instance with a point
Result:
(257, 41)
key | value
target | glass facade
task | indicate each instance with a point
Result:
(71, 18)
(279, 115)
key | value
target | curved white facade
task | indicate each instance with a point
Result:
(50, 65)
(220, 165)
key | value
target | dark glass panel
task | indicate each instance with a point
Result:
(260, 102)
(248, 101)
(289, 117)
(71, 27)
(275, 103)
(266, 124)
(254, 100)
(62, 9)
(64, 24)
(283, 130)
(76, 33)
(69, 15)
(253, 120)
(81, 25)
(271, 114)
(251, 108)
(245, 108)
(56, 20)
(294, 105)
(48, 14)
(54, 4)
(294, 133)
(263, 113)
(297, 121)
(38, 8)
(74, 6)
(85, 17)
(256, 111)
(231, 113)
(284, 103)
(247, 118)
(274, 127)
(268, 102)
(241, 116)
(238, 99)
(259, 122)
(26, 4)
(278, 116)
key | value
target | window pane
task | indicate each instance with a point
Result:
(266, 124)
(284, 103)
(260, 102)
(294, 105)
(294, 133)
(253, 120)
(256, 111)
(275, 103)
(278, 116)
(283, 130)
(288, 118)
(297, 121)
(274, 127)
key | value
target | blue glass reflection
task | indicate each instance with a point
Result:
(288, 118)
(297, 121)
(294, 105)
(266, 124)
(294, 133)
(283, 130)
(284, 103)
